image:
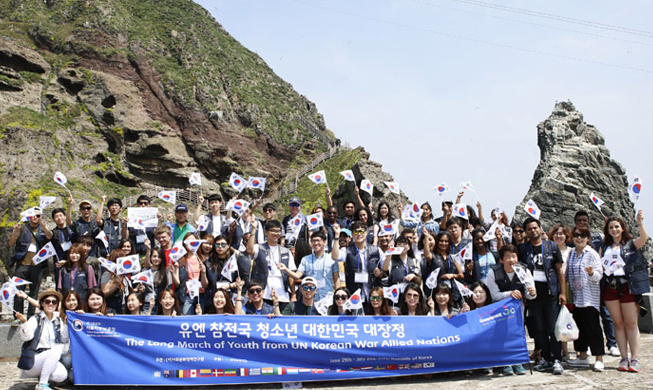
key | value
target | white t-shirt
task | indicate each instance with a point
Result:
(275, 277)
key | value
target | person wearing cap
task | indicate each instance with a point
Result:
(63, 237)
(255, 303)
(217, 225)
(318, 265)
(113, 226)
(84, 225)
(138, 236)
(28, 239)
(306, 305)
(180, 227)
(295, 205)
(51, 343)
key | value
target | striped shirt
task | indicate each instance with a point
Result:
(586, 288)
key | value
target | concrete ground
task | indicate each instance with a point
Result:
(576, 379)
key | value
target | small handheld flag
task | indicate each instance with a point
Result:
(386, 230)
(460, 211)
(467, 185)
(145, 277)
(393, 187)
(202, 223)
(102, 236)
(45, 253)
(348, 175)
(355, 302)
(524, 276)
(296, 222)
(597, 202)
(237, 182)
(323, 304)
(257, 183)
(393, 292)
(45, 201)
(464, 291)
(442, 189)
(635, 191)
(412, 212)
(168, 196)
(195, 179)
(394, 251)
(177, 252)
(432, 280)
(367, 186)
(20, 282)
(237, 205)
(128, 265)
(318, 177)
(7, 293)
(464, 254)
(108, 265)
(193, 287)
(230, 267)
(194, 245)
(531, 209)
(60, 179)
(315, 221)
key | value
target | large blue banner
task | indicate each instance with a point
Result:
(230, 349)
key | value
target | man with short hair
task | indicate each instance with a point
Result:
(255, 303)
(543, 259)
(84, 225)
(306, 305)
(28, 239)
(164, 237)
(63, 237)
(455, 228)
(138, 236)
(349, 207)
(114, 227)
(447, 210)
(181, 227)
(295, 205)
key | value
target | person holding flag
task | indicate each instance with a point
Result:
(306, 305)
(543, 259)
(113, 226)
(181, 228)
(75, 274)
(215, 265)
(483, 259)
(63, 237)
(27, 239)
(340, 297)
(217, 225)
(456, 228)
(401, 267)
(426, 220)
(442, 258)
(138, 236)
(155, 261)
(295, 205)
(255, 303)
(379, 304)
(189, 267)
(363, 215)
(84, 225)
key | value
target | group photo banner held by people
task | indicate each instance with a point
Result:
(237, 349)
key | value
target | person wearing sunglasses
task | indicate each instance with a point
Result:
(295, 206)
(584, 272)
(52, 339)
(306, 305)
(28, 239)
(85, 225)
(340, 296)
(255, 303)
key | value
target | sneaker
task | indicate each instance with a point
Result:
(519, 369)
(543, 366)
(507, 371)
(624, 364)
(43, 386)
(565, 358)
(579, 363)
(557, 368)
(614, 351)
(598, 366)
(635, 365)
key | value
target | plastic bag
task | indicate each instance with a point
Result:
(566, 328)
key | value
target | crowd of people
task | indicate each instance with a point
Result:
(259, 265)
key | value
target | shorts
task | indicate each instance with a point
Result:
(611, 294)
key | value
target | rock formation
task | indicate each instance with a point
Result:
(574, 162)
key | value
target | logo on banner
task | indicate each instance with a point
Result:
(78, 325)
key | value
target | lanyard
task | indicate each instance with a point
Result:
(580, 264)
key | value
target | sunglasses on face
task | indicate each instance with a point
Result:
(268, 210)
(294, 205)
(143, 203)
(359, 231)
(341, 297)
(580, 235)
(255, 290)
(309, 288)
(221, 245)
(519, 231)
(375, 298)
(50, 301)
(85, 208)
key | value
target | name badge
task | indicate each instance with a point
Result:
(361, 277)
(66, 245)
(321, 283)
(539, 275)
(342, 276)
(31, 248)
(223, 285)
(141, 238)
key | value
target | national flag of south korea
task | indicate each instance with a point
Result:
(168, 196)
(145, 277)
(102, 236)
(202, 223)
(464, 254)
(460, 211)
(20, 282)
(237, 182)
(315, 221)
(393, 187)
(531, 209)
(108, 265)
(318, 177)
(386, 229)
(323, 304)
(45, 201)
(29, 213)
(394, 251)
(7, 293)
(296, 223)
(524, 276)
(45, 253)
(257, 183)
(597, 202)
(60, 179)
(195, 179)
(367, 186)
(432, 280)
(178, 251)
(237, 205)
(442, 188)
(193, 287)
(412, 212)
(194, 245)
(128, 265)
(464, 291)
(230, 267)
(393, 292)
(348, 175)
(467, 185)
(354, 302)
(635, 188)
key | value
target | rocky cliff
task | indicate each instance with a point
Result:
(574, 162)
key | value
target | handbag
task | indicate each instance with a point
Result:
(28, 352)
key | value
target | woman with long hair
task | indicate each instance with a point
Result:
(96, 303)
(413, 303)
(379, 304)
(627, 278)
(189, 267)
(167, 304)
(340, 297)
(76, 275)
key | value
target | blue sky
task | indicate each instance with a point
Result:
(452, 90)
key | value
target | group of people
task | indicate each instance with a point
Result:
(250, 265)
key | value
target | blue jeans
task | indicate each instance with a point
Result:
(544, 313)
(188, 308)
